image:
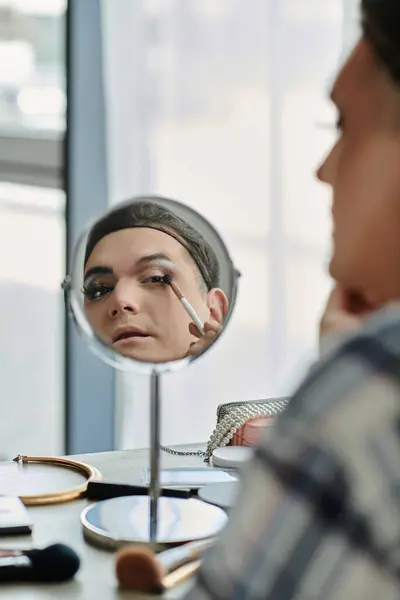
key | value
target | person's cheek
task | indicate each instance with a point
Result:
(176, 327)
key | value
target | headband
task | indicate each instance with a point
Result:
(94, 240)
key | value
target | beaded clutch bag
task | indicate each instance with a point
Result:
(238, 424)
(241, 423)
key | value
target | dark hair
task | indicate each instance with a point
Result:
(381, 26)
(154, 216)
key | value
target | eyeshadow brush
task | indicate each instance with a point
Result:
(185, 303)
(138, 568)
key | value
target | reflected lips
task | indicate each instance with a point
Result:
(127, 334)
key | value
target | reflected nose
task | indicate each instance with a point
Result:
(123, 301)
(114, 312)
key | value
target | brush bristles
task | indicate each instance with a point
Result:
(167, 279)
(138, 569)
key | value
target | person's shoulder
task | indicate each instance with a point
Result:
(375, 347)
(383, 319)
(378, 337)
(383, 326)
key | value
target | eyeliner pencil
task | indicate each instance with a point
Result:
(185, 303)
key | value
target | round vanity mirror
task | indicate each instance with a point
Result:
(152, 287)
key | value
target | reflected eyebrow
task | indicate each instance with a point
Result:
(100, 270)
(144, 260)
(158, 257)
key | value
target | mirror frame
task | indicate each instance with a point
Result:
(93, 341)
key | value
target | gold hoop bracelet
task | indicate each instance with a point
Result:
(91, 474)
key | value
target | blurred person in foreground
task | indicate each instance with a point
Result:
(318, 515)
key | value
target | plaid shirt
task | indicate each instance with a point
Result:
(319, 511)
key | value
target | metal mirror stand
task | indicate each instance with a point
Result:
(155, 450)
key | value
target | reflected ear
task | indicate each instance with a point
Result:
(218, 305)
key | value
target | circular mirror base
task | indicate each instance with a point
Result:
(115, 523)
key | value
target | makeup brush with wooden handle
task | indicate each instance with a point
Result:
(185, 303)
(140, 569)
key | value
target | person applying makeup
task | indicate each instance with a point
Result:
(318, 511)
(134, 258)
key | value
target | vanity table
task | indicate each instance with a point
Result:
(61, 523)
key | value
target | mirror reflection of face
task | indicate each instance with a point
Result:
(128, 307)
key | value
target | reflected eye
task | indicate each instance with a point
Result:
(96, 291)
(155, 280)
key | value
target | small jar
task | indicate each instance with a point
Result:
(251, 432)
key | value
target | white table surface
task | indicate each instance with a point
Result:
(60, 523)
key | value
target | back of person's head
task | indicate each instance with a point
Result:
(381, 26)
(152, 215)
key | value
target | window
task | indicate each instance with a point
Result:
(32, 86)
(32, 226)
(32, 91)
(218, 106)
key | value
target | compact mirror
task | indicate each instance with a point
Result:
(152, 287)
(145, 279)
